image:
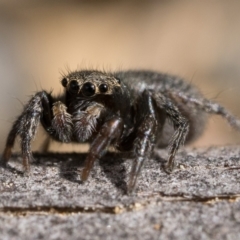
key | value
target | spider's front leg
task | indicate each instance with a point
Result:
(37, 109)
(109, 133)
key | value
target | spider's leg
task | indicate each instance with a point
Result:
(61, 124)
(26, 127)
(180, 124)
(109, 132)
(209, 107)
(144, 142)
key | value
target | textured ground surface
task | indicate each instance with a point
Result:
(200, 200)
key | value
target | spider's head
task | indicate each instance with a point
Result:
(88, 84)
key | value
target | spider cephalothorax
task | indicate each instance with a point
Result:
(125, 109)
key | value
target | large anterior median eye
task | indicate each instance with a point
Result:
(88, 89)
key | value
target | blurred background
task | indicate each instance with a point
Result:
(198, 40)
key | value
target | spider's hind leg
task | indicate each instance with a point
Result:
(211, 108)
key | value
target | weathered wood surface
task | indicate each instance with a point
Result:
(199, 200)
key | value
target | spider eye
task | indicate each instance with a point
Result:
(74, 87)
(64, 82)
(103, 88)
(88, 89)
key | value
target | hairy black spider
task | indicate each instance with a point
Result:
(125, 109)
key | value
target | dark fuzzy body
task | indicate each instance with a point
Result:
(170, 86)
(131, 110)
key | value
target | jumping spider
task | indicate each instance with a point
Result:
(125, 109)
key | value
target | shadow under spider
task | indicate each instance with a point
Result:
(160, 160)
(111, 164)
(11, 169)
(114, 169)
(71, 164)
